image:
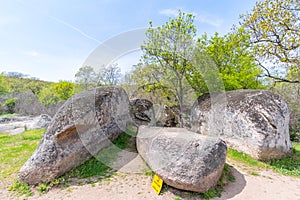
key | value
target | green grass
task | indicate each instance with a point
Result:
(7, 115)
(290, 165)
(16, 149)
(177, 198)
(287, 166)
(240, 156)
(21, 188)
(254, 173)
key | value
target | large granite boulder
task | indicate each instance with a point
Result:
(84, 125)
(183, 159)
(255, 122)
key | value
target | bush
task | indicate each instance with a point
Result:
(10, 105)
(295, 135)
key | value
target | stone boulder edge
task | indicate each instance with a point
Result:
(183, 159)
(85, 124)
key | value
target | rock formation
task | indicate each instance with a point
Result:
(142, 111)
(84, 125)
(168, 116)
(252, 121)
(19, 124)
(183, 159)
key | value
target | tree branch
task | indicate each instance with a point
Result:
(278, 79)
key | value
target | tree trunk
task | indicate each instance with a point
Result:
(180, 98)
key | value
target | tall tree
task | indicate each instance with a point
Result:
(274, 26)
(233, 59)
(86, 77)
(110, 75)
(168, 51)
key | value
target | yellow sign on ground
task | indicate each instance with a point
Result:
(157, 184)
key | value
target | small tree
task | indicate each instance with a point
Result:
(168, 50)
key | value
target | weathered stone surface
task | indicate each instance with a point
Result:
(83, 126)
(168, 116)
(183, 159)
(142, 111)
(252, 121)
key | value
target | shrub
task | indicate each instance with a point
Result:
(10, 105)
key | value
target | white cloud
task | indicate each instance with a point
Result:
(169, 12)
(202, 18)
(208, 19)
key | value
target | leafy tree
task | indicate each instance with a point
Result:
(275, 31)
(63, 90)
(147, 84)
(168, 51)
(56, 92)
(234, 61)
(3, 85)
(291, 93)
(110, 75)
(47, 96)
(86, 77)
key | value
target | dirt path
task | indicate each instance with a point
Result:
(264, 185)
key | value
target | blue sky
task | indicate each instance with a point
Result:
(51, 39)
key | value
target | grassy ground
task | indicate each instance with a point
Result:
(287, 166)
(16, 149)
(8, 115)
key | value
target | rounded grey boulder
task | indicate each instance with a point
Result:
(183, 159)
(255, 122)
(84, 125)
